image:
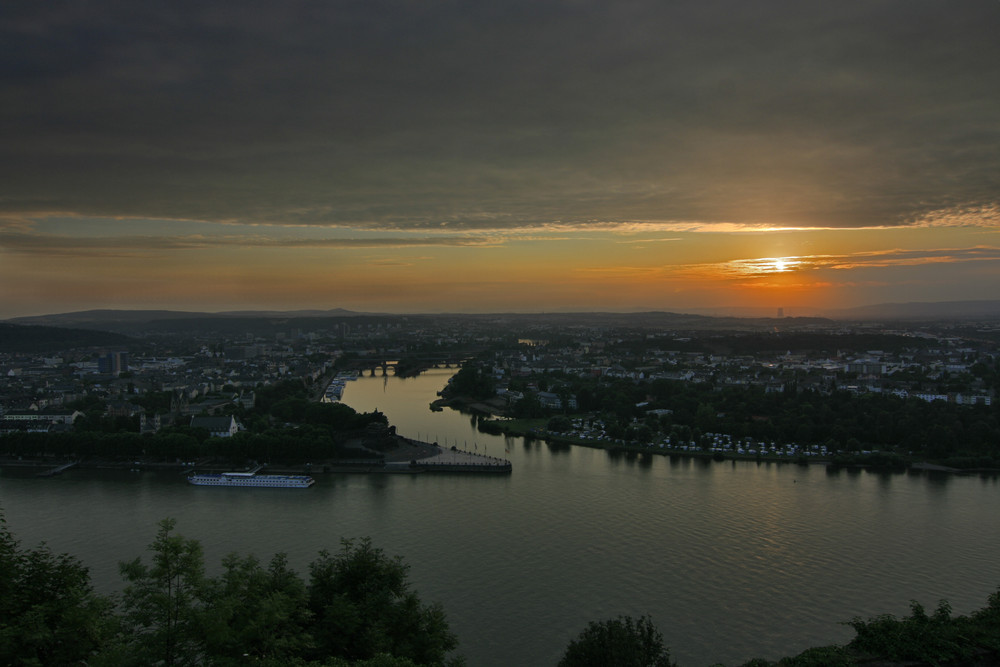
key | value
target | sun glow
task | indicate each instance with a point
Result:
(762, 266)
(782, 265)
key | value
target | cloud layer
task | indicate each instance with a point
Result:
(503, 116)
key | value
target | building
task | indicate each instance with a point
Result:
(38, 420)
(113, 363)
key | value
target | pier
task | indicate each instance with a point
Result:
(414, 456)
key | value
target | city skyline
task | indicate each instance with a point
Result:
(529, 156)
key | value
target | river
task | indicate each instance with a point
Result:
(731, 560)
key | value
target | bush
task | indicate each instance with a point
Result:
(934, 639)
(622, 642)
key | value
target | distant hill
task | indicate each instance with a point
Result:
(170, 321)
(268, 321)
(647, 320)
(27, 338)
(88, 318)
(91, 318)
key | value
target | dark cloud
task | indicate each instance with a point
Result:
(493, 115)
(119, 246)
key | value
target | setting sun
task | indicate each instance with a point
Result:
(785, 264)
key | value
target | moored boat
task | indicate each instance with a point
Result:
(251, 479)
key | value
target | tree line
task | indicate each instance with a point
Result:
(356, 607)
(275, 445)
(840, 420)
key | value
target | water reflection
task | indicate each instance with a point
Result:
(557, 447)
(884, 478)
(936, 480)
(377, 483)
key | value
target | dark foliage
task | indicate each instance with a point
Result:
(356, 609)
(937, 638)
(49, 613)
(623, 642)
(25, 338)
(362, 606)
(474, 381)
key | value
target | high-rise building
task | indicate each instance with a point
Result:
(113, 363)
(781, 312)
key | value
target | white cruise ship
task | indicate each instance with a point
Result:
(251, 479)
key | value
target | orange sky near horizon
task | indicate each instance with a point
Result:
(797, 270)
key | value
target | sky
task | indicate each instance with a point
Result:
(484, 156)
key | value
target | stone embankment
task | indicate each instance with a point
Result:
(453, 460)
(414, 456)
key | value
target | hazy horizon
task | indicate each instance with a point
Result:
(924, 310)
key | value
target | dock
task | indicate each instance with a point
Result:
(57, 470)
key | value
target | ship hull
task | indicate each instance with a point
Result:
(249, 480)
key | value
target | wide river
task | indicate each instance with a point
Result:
(730, 560)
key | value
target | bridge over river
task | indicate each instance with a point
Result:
(408, 364)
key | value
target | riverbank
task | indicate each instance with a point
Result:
(408, 456)
(492, 421)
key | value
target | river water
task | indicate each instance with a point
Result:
(730, 560)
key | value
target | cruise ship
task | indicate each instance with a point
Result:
(251, 479)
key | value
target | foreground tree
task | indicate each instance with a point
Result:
(937, 638)
(357, 611)
(918, 639)
(161, 606)
(623, 642)
(256, 612)
(363, 607)
(49, 613)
